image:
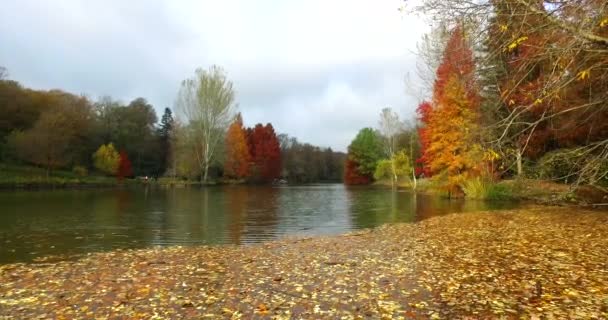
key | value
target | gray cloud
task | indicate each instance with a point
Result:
(319, 71)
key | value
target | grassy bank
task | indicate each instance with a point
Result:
(538, 191)
(520, 264)
(29, 177)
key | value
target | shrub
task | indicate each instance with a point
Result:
(80, 171)
(476, 188)
(499, 191)
(557, 165)
(483, 188)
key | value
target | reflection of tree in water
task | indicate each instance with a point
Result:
(237, 198)
(123, 201)
(261, 218)
(197, 214)
(370, 207)
(428, 206)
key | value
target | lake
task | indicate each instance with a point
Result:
(37, 224)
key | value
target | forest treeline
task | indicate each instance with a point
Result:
(57, 130)
(514, 88)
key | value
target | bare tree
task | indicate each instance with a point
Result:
(390, 127)
(206, 103)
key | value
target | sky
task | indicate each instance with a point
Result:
(318, 70)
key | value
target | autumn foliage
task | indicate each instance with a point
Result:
(352, 175)
(265, 153)
(238, 159)
(125, 169)
(450, 149)
(542, 79)
(424, 115)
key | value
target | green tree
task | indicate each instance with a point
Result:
(206, 102)
(131, 128)
(366, 150)
(395, 168)
(106, 159)
(164, 135)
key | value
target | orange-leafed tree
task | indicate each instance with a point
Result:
(452, 153)
(424, 111)
(238, 159)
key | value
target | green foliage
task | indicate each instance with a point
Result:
(400, 163)
(106, 159)
(366, 150)
(131, 128)
(206, 102)
(383, 170)
(499, 191)
(21, 176)
(80, 171)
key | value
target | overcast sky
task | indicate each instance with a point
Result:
(318, 70)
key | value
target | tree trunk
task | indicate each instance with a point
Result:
(205, 173)
(414, 177)
(394, 177)
(519, 165)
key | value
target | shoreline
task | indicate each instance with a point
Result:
(516, 263)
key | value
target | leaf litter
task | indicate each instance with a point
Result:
(532, 263)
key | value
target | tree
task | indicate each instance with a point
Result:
(3, 73)
(390, 127)
(164, 133)
(265, 152)
(424, 116)
(206, 102)
(305, 163)
(451, 150)
(541, 63)
(58, 137)
(42, 145)
(124, 166)
(106, 159)
(131, 128)
(238, 159)
(454, 153)
(183, 164)
(352, 176)
(393, 168)
(365, 151)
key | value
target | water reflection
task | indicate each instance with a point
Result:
(34, 224)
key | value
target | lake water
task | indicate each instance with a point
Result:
(35, 224)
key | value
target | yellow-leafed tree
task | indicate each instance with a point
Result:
(106, 159)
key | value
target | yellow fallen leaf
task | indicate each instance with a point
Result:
(583, 75)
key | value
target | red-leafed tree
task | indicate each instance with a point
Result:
(125, 169)
(238, 159)
(265, 152)
(352, 175)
